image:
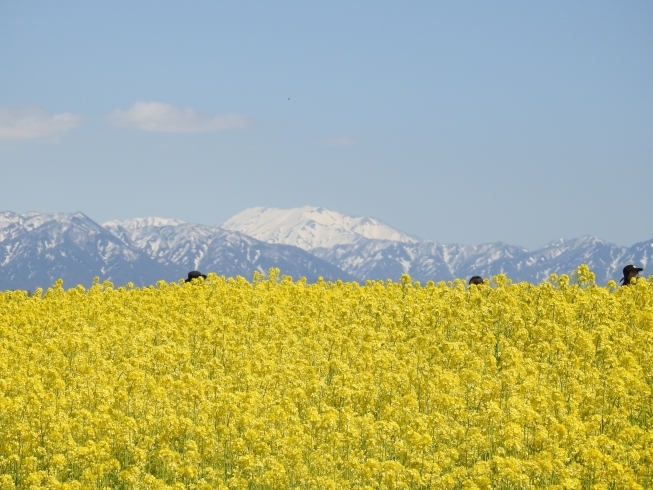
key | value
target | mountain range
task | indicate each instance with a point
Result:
(36, 249)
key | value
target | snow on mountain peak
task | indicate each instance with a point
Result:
(16, 223)
(311, 227)
(135, 223)
(585, 240)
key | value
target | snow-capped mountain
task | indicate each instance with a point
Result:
(380, 259)
(424, 261)
(188, 246)
(367, 248)
(309, 228)
(37, 249)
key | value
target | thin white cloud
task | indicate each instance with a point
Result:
(31, 122)
(165, 118)
(341, 141)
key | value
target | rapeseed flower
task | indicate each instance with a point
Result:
(275, 383)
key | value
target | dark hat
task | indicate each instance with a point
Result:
(630, 271)
(194, 275)
(478, 280)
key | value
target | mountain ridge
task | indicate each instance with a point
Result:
(367, 257)
(311, 227)
(38, 248)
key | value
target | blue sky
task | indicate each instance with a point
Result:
(464, 122)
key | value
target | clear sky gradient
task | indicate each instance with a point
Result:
(464, 122)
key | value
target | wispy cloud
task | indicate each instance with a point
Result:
(165, 118)
(33, 122)
(341, 141)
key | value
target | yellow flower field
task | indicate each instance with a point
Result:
(275, 384)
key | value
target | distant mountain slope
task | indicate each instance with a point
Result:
(379, 259)
(189, 246)
(37, 249)
(370, 249)
(309, 227)
(424, 261)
